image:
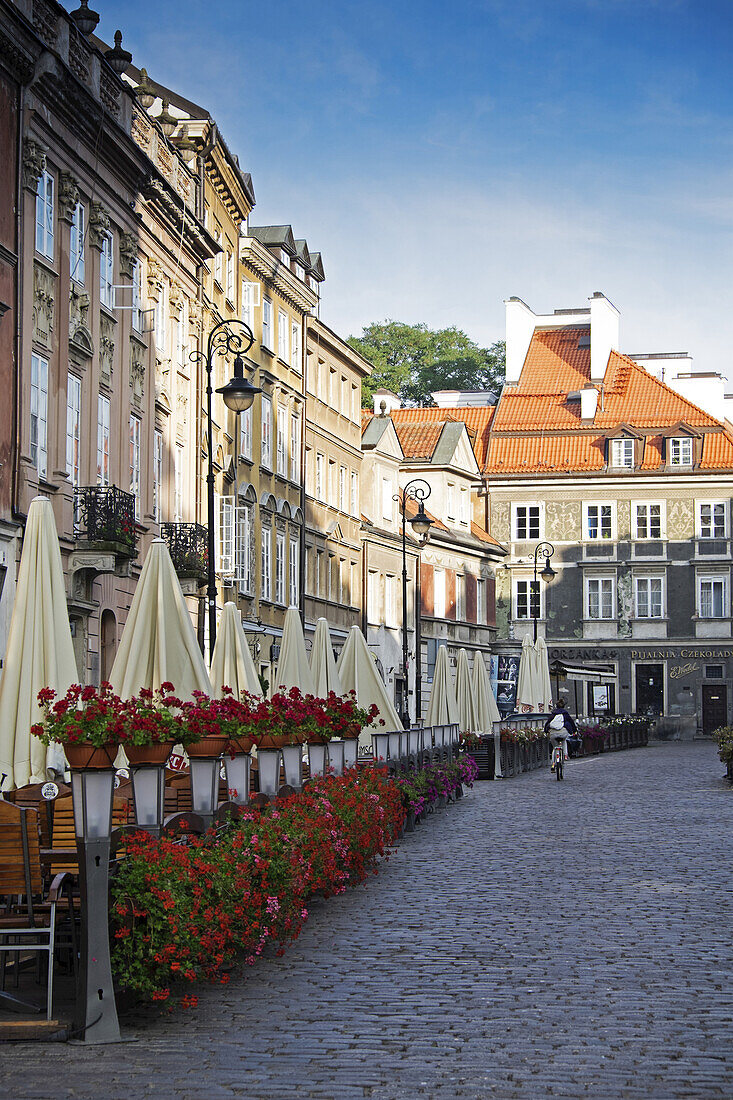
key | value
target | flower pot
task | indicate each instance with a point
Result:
(157, 753)
(336, 756)
(274, 741)
(293, 765)
(208, 746)
(82, 756)
(239, 745)
(410, 822)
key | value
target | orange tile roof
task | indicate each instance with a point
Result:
(717, 451)
(555, 363)
(366, 416)
(548, 454)
(418, 440)
(633, 396)
(476, 418)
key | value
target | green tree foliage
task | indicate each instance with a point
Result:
(413, 360)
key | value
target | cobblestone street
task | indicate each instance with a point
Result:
(536, 940)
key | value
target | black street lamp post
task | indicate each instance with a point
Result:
(418, 490)
(542, 550)
(232, 337)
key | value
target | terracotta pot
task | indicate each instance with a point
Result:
(149, 754)
(317, 739)
(208, 746)
(275, 740)
(239, 745)
(84, 755)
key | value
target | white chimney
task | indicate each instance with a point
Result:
(385, 397)
(588, 402)
(520, 324)
(604, 334)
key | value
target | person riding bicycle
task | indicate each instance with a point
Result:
(560, 727)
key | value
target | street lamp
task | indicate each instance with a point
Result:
(542, 550)
(418, 490)
(232, 337)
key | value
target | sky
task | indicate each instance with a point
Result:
(445, 156)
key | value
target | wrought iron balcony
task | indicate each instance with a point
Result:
(187, 543)
(104, 517)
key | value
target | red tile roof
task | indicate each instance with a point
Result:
(476, 418)
(418, 440)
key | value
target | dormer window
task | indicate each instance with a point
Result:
(680, 451)
(285, 257)
(622, 453)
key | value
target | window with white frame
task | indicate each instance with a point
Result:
(77, 266)
(387, 502)
(135, 462)
(293, 574)
(600, 597)
(39, 414)
(285, 257)
(460, 597)
(283, 324)
(598, 521)
(245, 434)
(266, 417)
(527, 599)
(294, 447)
(219, 257)
(244, 550)
(103, 422)
(137, 296)
(295, 346)
(267, 323)
(73, 427)
(354, 493)
(225, 541)
(712, 519)
(329, 576)
(178, 484)
(181, 328)
(463, 507)
(390, 602)
(373, 597)
(649, 597)
(280, 567)
(344, 395)
(480, 601)
(648, 520)
(161, 321)
(107, 272)
(266, 560)
(45, 214)
(320, 472)
(319, 572)
(527, 525)
(451, 500)
(343, 488)
(332, 395)
(282, 440)
(355, 403)
(439, 593)
(157, 473)
(332, 483)
(712, 596)
(249, 300)
(230, 276)
(354, 583)
(680, 451)
(622, 453)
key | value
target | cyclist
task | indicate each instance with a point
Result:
(559, 727)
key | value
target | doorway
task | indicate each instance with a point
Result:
(714, 707)
(649, 682)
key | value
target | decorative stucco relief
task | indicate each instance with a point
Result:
(44, 289)
(625, 603)
(106, 350)
(137, 370)
(562, 520)
(623, 519)
(500, 526)
(680, 519)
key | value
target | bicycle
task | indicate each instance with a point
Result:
(558, 756)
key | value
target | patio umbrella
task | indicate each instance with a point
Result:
(542, 666)
(526, 677)
(323, 662)
(358, 672)
(39, 653)
(487, 711)
(442, 708)
(465, 698)
(232, 665)
(293, 669)
(159, 643)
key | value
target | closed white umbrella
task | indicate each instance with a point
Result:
(468, 721)
(293, 669)
(40, 652)
(542, 666)
(358, 672)
(232, 665)
(526, 678)
(487, 711)
(442, 708)
(323, 663)
(159, 643)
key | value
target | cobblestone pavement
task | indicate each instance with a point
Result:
(536, 940)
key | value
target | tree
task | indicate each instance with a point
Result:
(413, 361)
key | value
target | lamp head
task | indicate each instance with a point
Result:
(421, 523)
(548, 572)
(238, 393)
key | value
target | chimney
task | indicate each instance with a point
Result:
(385, 402)
(604, 335)
(588, 402)
(520, 324)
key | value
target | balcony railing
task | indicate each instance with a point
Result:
(187, 543)
(104, 516)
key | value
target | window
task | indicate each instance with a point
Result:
(649, 598)
(230, 276)
(712, 596)
(280, 567)
(219, 257)
(137, 296)
(387, 502)
(294, 567)
(319, 570)
(343, 488)
(160, 322)
(527, 602)
(245, 434)
(713, 672)
(439, 593)
(76, 246)
(320, 467)
(460, 597)
(481, 601)
(282, 441)
(680, 451)
(295, 346)
(648, 521)
(225, 541)
(451, 500)
(354, 493)
(598, 521)
(464, 507)
(73, 427)
(103, 417)
(344, 395)
(157, 473)
(373, 597)
(178, 484)
(44, 215)
(285, 257)
(266, 561)
(294, 447)
(622, 453)
(329, 576)
(106, 272)
(390, 605)
(526, 522)
(712, 519)
(599, 595)
(332, 387)
(244, 549)
(249, 301)
(135, 462)
(267, 323)
(282, 336)
(266, 415)
(181, 326)
(39, 414)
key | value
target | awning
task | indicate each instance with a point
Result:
(588, 674)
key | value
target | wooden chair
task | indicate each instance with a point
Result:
(31, 796)
(63, 854)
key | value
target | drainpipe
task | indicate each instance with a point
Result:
(17, 394)
(304, 419)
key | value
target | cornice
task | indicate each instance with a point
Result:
(262, 263)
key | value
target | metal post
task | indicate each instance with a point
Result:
(96, 1012)
(406, 703)
(211, 543)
